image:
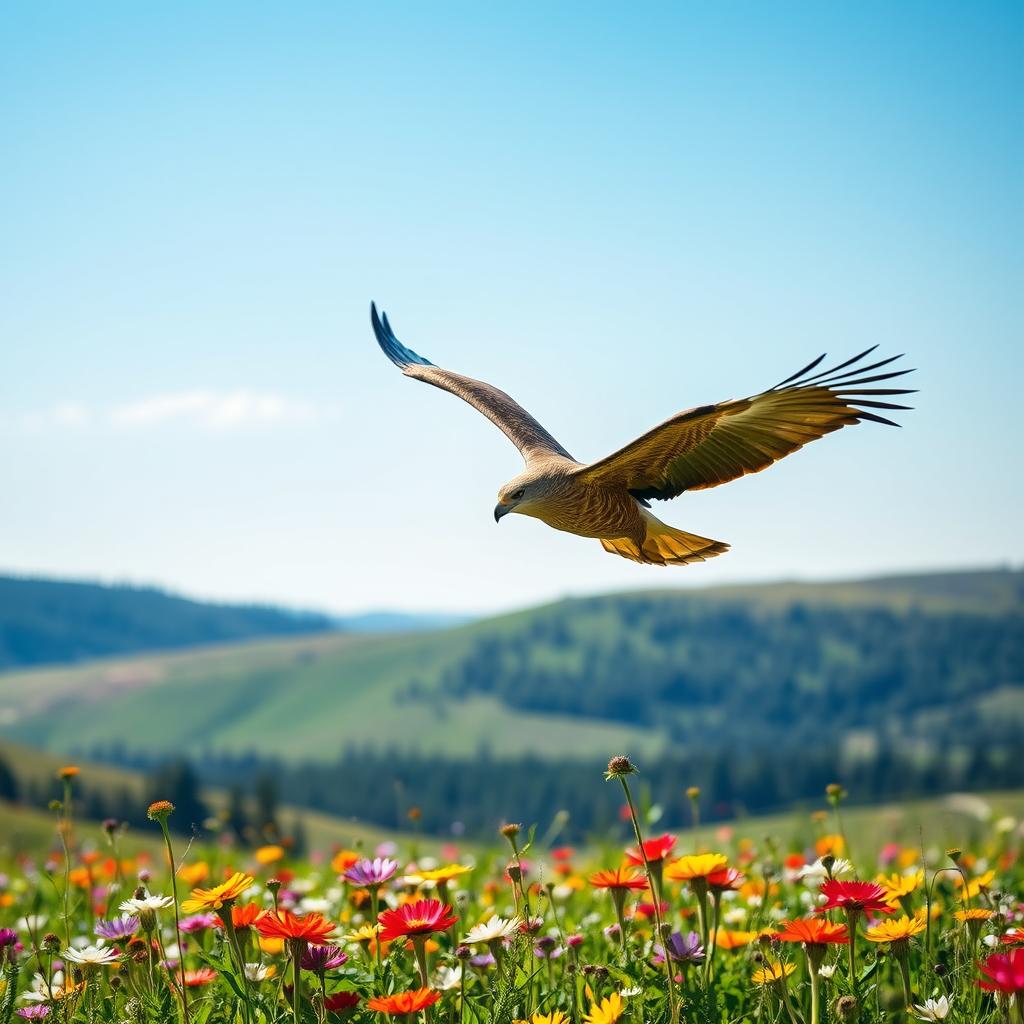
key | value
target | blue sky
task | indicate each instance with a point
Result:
(611, 213)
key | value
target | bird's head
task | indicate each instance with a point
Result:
(523, 494)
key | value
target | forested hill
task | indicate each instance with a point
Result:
(45, 621)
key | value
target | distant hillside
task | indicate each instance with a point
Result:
(923, 661)
(52, 621)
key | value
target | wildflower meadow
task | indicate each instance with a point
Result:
(709, 926)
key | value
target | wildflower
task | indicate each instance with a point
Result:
(404, 1002)
(814, 875)
(696, 867)
(68, 772)
(618, 878)
(854, 896)
(812, 931)
(495, 929)
(682, 949)
(90, 957)
(725, 880)
(932, 1009)
(160, 810)
(118, 929)
(37, 1012)
(773, 970)
(243, 915)
(199, 977)
(898, 886)
(368, 874)
(260, 972)
(197, 923)
(320, 959)
(1004, 972)
(896, 930)
(610, 1009)
(341, 1001)
(146, 904)
(826, 971)
(219, 896)
(438, 876)
(654, 850)
(269, 854)
(419, 918)
(725, 939)
(286, 925)
(447, 978)
(978, 914)
(619, 767)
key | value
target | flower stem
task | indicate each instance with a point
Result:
(177, 923)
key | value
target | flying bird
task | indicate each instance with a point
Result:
(693, 450)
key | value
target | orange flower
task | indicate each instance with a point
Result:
(245, 916)
(200, 976)
(618, 878)
(220, 895)
(404, 1002)
(193, 874)
(269, 854)
(343, 860)
(812, 931)
(69, 771)
(734, 939)
(286, 925)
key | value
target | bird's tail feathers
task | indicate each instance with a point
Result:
(665, 545)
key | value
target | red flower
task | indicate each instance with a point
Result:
(812, 931)
(405, 1002)
(853, 896)
(647, 909)
(1004, 971)
(655, 850)
(243, 916)
(286, 925)
(200, 976)
(419, 918)
(341, 1001)
(725, 878)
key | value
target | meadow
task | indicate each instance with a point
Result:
(834, 920)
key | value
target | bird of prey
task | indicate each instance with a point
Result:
(693, 450)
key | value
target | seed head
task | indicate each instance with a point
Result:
(847, 1008)
(511, 830)
(619, 767)
(160, 810)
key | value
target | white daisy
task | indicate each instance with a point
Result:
(259, 972)
(932, 1009)
(495, 928)
(827, 970)
(92, 956)
(447, 978)
(144, 904)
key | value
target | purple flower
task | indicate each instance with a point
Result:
(118, 929)
(321, 959)
(482, 961)
(197, 923)
(8, 937)
(37, 1012)
(369, 874)
(546, 948)
(682, 949)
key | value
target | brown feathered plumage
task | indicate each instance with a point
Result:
(696, 449)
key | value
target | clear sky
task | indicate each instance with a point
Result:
(611, 211)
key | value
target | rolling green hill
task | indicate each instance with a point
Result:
(920, 658)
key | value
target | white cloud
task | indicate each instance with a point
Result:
(205, 409)
(217, 410)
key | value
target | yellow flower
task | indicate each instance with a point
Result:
(772, 971)
(733, 939)
(555, 1017)
(830, 844)
(696, 865)
(435, 875)
(271, 946)
(269, 854)
(899, 930)
(975, 885)
(608, 1011)
(897, 886)
(364, 933)
(974, 914)
(219, 895)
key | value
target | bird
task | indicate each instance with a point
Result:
(696, 449)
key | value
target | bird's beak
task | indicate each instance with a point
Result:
(501, 510)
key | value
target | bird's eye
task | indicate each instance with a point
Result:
(518, 494)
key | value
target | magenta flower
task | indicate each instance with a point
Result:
(37, 1012)
(118, 929)
(321, 959)
(370, 874)
(197, 923)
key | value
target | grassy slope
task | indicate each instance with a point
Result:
(308, 696)
(31, 828)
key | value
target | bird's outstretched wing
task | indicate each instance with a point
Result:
(714, 444)
(505, 413)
